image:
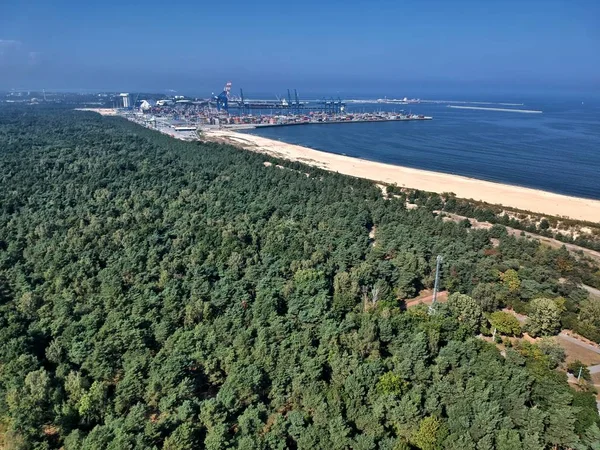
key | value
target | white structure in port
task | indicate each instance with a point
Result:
(125, 100)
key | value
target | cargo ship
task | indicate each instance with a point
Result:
(401, 101)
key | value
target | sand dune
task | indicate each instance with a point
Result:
(464, 187)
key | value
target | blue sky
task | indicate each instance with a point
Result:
(317, 46)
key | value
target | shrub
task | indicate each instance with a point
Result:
(574, 368)
(505, 323)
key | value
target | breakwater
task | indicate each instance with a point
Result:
(481, 108)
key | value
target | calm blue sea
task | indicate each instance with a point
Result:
(558, 150)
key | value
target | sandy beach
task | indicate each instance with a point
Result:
(469, 188)
(101, 111)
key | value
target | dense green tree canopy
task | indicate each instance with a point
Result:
(505, 323)
(544, 317)
(162, 294)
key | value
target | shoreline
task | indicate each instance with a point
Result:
(527, 199)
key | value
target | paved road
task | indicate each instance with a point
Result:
(595, 292)
(591, 290)
(582, 344)
(520, 317)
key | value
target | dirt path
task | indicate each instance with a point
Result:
(554, 243)
(441, 297)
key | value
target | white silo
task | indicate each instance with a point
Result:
(126, 100)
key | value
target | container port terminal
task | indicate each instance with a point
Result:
(184, 116)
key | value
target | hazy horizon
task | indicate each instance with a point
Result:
(350, 47)
(424, 92)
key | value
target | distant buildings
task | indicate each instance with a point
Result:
(125, 101)
(146, 105)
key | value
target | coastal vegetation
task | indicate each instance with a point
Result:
(578, 232)
(156, 293)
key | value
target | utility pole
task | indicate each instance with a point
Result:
(436, 285)
(579, 376)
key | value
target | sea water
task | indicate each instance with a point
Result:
(557, 151)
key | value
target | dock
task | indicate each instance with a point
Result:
(327, 122)
(184, 116)
(174, 127)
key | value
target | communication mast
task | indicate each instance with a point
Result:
(436, 285)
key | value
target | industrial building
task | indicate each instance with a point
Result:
(185, 115)
(125, 101)
(147, 105)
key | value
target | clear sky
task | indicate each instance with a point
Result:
(317, 46)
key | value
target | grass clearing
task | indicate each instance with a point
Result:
(576, 352)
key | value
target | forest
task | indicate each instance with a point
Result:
(161, 294)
